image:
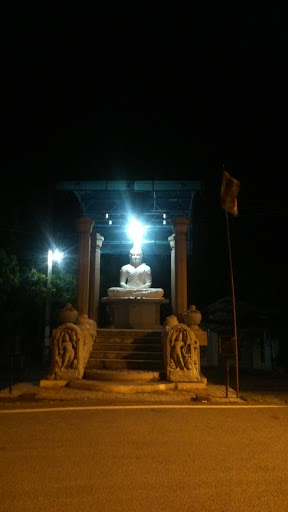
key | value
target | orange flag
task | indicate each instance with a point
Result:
(229, 192)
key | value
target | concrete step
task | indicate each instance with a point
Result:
(134, 343)
(122, 387)
(128, 333)
(115, 354)
(131, 382)
(126, 349)
(128, 337)
(119, 347)
(122, 364)
(131, 347)
(122, 375)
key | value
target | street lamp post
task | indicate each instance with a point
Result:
(52, 256)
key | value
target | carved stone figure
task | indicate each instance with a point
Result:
(176, 352)
(71, 346)
(68, 352)
(64, 348)
(180, 351)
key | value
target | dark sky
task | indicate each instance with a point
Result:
(172, 89)
(142, 90)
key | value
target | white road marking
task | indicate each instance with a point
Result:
(114, 407)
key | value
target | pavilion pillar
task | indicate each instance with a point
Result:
(84, 227)
(94, 282)
(171, 240)
(180, 228)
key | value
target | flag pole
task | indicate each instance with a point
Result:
(233, 305)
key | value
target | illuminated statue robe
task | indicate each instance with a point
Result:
(135, 282)
(139, 277)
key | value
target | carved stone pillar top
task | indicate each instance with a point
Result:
(84, 225)
(180, 225)
(171, 240)
(96, 240)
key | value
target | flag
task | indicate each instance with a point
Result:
(229, 192)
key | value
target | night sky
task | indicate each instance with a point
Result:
(171, 90)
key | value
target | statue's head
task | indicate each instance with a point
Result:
(135, 257)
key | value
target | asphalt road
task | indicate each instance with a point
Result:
(153, 458)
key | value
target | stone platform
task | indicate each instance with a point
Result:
(125, 382)
(134, 313)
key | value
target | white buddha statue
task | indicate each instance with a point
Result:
(135, 279)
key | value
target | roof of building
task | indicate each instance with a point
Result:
(111, 203)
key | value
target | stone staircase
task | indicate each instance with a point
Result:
(126, 354)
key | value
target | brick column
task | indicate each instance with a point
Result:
(84, 227)
(94, 284)
(180, 227)
(171, 240)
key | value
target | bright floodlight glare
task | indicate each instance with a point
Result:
(135, 230)
(57, 255)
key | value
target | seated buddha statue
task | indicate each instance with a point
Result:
(135, 279)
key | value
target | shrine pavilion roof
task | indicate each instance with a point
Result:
(111, 203)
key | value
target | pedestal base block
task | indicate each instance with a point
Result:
(133, 313)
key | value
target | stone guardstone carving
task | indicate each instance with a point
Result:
(180, 352)
(71, 345)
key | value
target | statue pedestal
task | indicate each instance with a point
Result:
(134, 313)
